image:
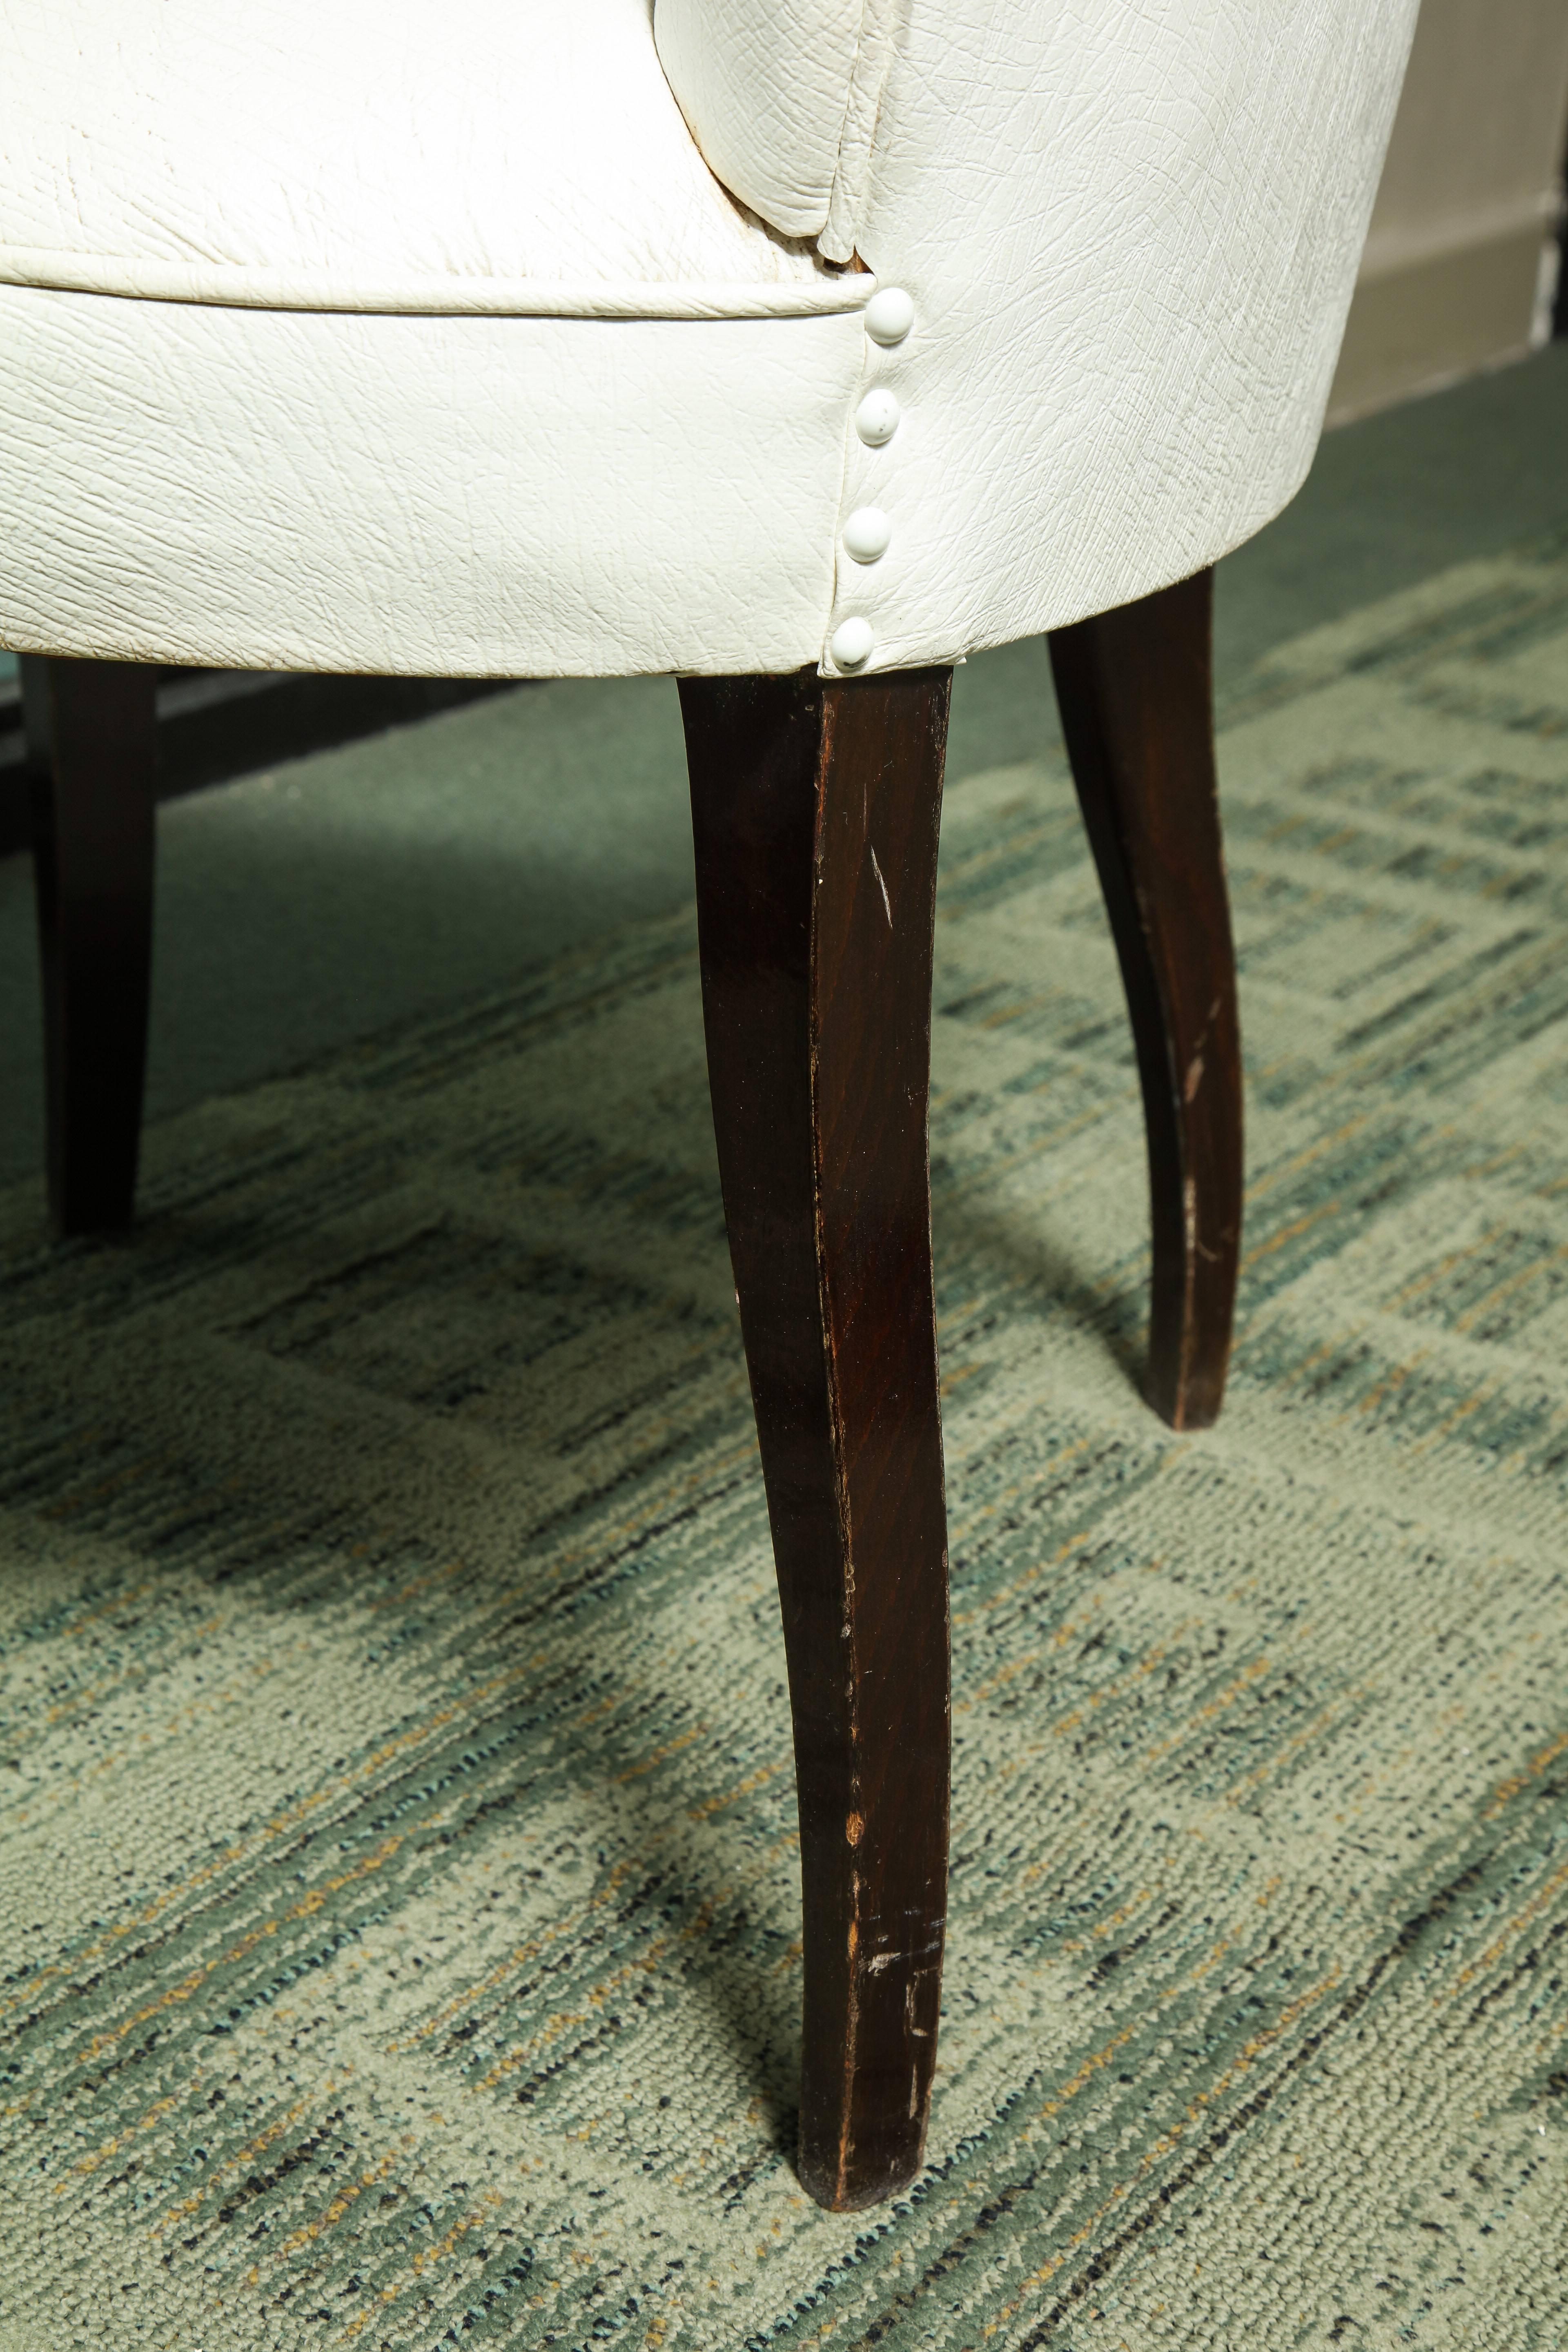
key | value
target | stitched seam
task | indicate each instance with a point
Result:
(866, 7)
(875, 43)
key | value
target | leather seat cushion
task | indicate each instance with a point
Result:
(344, 143)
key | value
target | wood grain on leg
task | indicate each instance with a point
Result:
(816, 810)
(91, 745)
(1134, 686)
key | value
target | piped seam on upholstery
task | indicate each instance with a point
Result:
(244, 287)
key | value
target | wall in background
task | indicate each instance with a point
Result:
(1460, 262)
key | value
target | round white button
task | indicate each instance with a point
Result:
(867, 533)
(890, 315)
(876, 418)
(852, 643)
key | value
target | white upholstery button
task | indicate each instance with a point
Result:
(876, 418)
(852, 643)
(890, 315)
(867, 533)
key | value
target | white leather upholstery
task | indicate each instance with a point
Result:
(618, 433)
(464, 496)
(782, 102)
(1131, 235)
(342, 143)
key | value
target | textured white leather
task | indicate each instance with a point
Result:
(782, 102)
(764, 89)
(507, 497)
(851, 179)
(619, 431)
(368, 142)
(1130, 233)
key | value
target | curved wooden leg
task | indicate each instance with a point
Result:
(1137, 710)
(90, 746)
(815, 809)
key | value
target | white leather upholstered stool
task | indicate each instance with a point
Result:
(798, 347)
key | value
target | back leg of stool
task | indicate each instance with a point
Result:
(91, 757)
(1135, 689)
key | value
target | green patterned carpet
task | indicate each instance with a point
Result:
(398, 1870)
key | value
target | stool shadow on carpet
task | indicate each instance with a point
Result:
(1040, 1269)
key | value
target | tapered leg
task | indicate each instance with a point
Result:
(1136, 710)
(815, 809)
(90, 747)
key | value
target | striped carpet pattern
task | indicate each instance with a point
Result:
(397, 1856)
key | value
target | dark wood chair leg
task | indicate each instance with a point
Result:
(91, 745)
(1136, 710)
(816, 810)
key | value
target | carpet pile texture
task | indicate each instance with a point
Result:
(397, 1856)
